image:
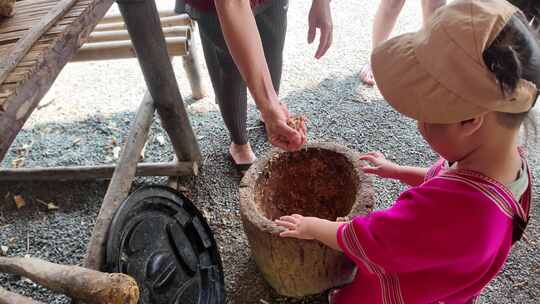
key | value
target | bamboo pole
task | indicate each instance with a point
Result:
(96, 172)
(175, 20)
(175, 31)
(121, 181)
(176, 46)
(116, 18)
(191, 62)
(90, 286)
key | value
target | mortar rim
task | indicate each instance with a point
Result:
(248, 209)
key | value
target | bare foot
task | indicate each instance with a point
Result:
(242, 154)
(366, 75)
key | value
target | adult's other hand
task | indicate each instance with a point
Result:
(320, 18)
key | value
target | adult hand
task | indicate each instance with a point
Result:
(320, 18)
(279, 133)
(379, 165)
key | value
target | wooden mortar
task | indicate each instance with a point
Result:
(321, 180)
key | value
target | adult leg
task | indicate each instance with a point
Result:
(385, 20)
(272, 26)
(429, 7)
(229, 87)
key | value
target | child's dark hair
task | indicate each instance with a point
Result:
(515, 55)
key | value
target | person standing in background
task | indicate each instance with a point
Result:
(385, 20)
(243, 44)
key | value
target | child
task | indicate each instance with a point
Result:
(469, 78)
(384, 22)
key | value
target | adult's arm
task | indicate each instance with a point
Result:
(244, 43)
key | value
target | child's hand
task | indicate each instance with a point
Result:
(379, 165)
(297, 226)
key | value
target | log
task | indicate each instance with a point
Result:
(16, 109)
(120, 183)
(192, 67)
(21, 48)
(175, 31)
(97, 172)
(142, 22)
(8, 297)
(176, 46)
(90, 286)
(176, 20)
(116, 18)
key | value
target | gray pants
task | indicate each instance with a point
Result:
(229, 87)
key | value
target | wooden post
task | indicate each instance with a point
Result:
(97, 172)
(192, 67)
(142, 21)
(121, 182)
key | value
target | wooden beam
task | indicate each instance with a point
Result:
(96, 172)
(116, 18)
(21, 48)
(176, 20)
(16, 109)
(175, 31)
(120, 183)
(176, 46)
(142, 22)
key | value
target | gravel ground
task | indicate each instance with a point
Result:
(83, 128)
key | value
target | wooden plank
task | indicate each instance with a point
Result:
(15, 110)
(25, 44)
(97, 172)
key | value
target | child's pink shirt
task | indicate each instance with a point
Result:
(441, 242)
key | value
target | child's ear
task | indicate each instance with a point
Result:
(470, 126)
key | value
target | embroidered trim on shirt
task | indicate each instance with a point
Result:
(497, 199)
(389, 282)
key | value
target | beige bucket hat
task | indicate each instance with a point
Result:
(438, 75)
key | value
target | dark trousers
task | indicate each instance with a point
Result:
(229, 87)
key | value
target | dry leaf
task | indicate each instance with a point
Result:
(19, 201)
(4, 250)
(160, 139)
(49, 205)
(52, 206)
(116, 152)
(17, 162)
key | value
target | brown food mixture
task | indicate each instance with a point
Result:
(312, 182)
